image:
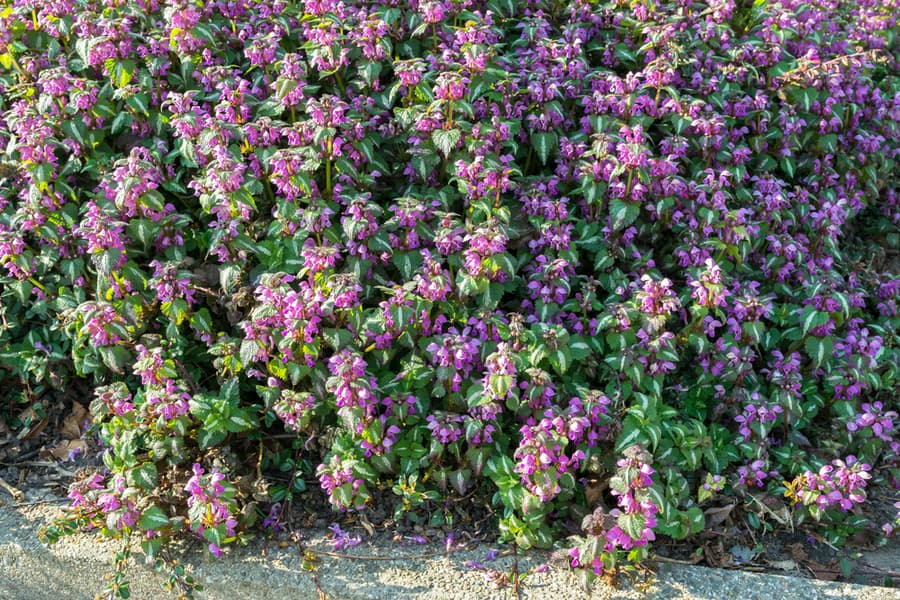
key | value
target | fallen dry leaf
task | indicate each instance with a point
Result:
(367, 525)
(64, 449)
(717, 515)
(828, 572)
(864, 540)
(35, 425)
(72, 425)
(593, 492)
(782, 565)
(716, 556)
(797, 551)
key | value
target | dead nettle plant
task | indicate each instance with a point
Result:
(584, 258)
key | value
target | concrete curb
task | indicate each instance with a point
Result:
(75, 568)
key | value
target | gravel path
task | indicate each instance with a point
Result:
(74, 569)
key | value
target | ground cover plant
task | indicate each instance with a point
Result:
(607, 262)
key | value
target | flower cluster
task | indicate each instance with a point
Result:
(609, 535)
(345, 489)
(294, 408)
(841, 484)
(211, 507)
(877, 422)
(754, 419)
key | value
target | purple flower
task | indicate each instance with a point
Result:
(342, 539)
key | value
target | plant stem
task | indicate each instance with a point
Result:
(329, 147)
(38, 285)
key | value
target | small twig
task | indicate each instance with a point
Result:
(53, 502)
(17, 494)
(674, 561)
(22, 457)
(30, 463)
(303, 551)
(403, 557)
(516, 574)
(187, 377)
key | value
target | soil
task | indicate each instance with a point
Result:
(42, 442)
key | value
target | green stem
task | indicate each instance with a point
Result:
(328, 172)
(269, 191)
(15, 63)
(38, 285)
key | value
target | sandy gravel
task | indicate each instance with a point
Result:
(75, 568)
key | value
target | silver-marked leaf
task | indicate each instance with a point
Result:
(144, 476)
(544, 143)
(154, 518)
(819, 349)
(445, 140)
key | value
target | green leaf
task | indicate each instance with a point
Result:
(121, 122)
(152, 546)
(623, 213)
(807, 97)
(630, 434)
(207, 438)
(697, 519)
(407, 262)
(560, 360)
(201, 405)
(819, 349)
(116, 358)
(632, 524)
(229, 276)
(240, 421)
(153, 519)
(445, 140)
(812, 318)
(544, 143)
(788, 165)
(216, 534)
(499, 384)
(460, 480)
(283, 87)
(139, 102)
(144, 476)
(75, 130)
(176, 310)
(249, 352)
(230, 390)
(754, 330)
(123, 72)
(202, 321)
(579, 350)
(370, 71)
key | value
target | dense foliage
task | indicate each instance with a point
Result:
(517, 250)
